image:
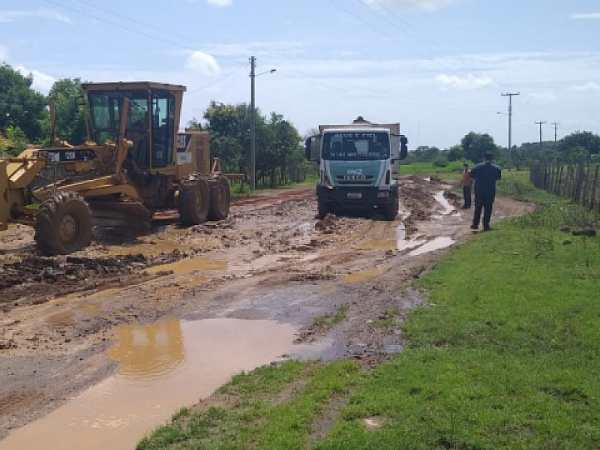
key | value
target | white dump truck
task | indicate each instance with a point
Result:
(358, 164)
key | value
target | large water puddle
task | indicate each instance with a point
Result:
(164, 366)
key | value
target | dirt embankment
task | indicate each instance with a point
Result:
(271, 259)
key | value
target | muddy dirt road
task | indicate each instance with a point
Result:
(271, 260)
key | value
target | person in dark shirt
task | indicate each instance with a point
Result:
(485, 175)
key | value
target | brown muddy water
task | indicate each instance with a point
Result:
(164, 366)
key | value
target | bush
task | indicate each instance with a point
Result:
(440, 161)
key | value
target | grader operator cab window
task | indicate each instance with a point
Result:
(150, 123)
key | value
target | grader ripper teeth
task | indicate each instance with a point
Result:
(136, 163)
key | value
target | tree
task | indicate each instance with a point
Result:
(455, 153)
(20, 106)
(476, 144)
(70, 118)
(227, 136)
(580, 143)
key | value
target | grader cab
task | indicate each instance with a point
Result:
(135, 164)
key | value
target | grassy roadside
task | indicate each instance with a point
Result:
(452, 171)
(505, 356)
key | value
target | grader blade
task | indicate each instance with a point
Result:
(127, 215)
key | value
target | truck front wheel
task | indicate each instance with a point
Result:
(323, 209)
(391, 209)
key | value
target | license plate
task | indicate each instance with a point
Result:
(354, 195)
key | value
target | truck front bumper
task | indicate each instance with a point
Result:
(357, 196)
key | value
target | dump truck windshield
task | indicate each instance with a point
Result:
(352, 146)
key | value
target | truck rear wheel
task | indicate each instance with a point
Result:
(63, 224)
(194, 200)
(220, 198)
(322, 209)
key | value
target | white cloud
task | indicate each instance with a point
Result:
(202, 63)
(41, 82)
(424, 5)
(220, 3)
(12, 16)
(589, 86)
(585, 16)
(468, 83)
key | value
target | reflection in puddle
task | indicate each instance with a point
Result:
(164, 366)
(448, 208)
(435, 244)
(190, 265)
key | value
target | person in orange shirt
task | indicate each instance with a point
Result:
(466, 182)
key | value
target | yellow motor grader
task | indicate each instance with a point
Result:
(137, 163)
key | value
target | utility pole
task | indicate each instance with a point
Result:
(510, 96)
(556, 124)
(252, 125)
(540, 124)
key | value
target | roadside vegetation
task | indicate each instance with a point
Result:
(504, 356)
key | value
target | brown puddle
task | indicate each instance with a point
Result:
(365, 275)
(154, 249)
(164, 366)
(190, 265)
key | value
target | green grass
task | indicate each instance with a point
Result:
(450, 172)
(267, 414)
(331, 320)
(506, 355)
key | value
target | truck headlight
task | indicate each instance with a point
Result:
(383, 194)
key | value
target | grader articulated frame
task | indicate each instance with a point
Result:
(138, 163)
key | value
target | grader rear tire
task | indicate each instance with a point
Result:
(63, 224)
(194, 200)
(220, 198)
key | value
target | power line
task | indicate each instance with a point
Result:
(217, 81)
(120, 26)
(145, 24)
(395, 38)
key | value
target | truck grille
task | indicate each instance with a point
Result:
(354, 179)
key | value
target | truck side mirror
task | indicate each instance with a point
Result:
(403, 147)
(308, 148)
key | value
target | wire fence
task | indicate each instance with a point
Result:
(577, 182)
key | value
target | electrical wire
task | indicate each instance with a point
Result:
(217, 81)
(120, 26)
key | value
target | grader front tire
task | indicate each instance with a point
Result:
(63, 224)
(194, 200)
(220, 198)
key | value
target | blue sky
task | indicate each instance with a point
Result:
(436, 66)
